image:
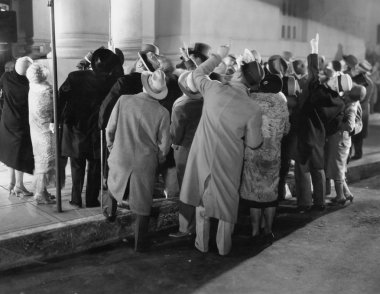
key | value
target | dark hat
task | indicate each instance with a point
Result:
(277, 65)
(290, 86)
(299, 66)
(253, 73)
(201, 50)
(146, 55)
(357, 93)
(271, 84)
(336, 65)
(104, 60)
(350, 60)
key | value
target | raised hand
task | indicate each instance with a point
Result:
(314, 43)
(223, 51)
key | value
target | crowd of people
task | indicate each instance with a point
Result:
(222, 130)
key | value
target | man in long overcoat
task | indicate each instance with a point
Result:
(138, 138)
(80, 97)
(230, 120)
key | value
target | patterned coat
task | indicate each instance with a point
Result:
(230, 120)
(262, 166)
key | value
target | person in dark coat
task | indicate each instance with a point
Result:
(321, 114)
(80, 97)
(16, 149)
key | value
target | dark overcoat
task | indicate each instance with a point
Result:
(16, 149)
(80, 97)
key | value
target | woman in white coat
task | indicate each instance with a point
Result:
(138, 138)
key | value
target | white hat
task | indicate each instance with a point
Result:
(186, 84)
(155, 84)
(22, 65)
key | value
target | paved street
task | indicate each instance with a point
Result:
(337, 251)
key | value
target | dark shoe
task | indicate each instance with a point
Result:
(356, 157)
(340, 201)
(179, 234)
(95, 204)
(350, 198)
(318, 207)
(78, 205)
(268, 239)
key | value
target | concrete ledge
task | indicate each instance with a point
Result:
(39, 244)
(364, 171)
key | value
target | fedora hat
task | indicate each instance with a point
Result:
(365, 66)
(200, 50)
(350, 60)
(277, 65)
(271, 84)
(186, 84)
(253, 73)
(154, 84)
(148, 56)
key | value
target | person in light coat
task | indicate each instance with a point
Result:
(138, 138)
(230, 121)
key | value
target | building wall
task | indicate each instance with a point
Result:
(270, 26)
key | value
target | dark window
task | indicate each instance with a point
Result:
(378, 34)
(294, 33)
(289, 35)
(283, 35)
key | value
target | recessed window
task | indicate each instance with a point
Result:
(378, 34)
(289, 33)
(283, 33)
(294, 33)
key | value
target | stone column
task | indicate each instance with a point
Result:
(126, 26)
(41, 29)
(81, 26)
(24, 27)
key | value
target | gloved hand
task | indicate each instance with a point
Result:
(51, 127)
(223, 51)
(314, 44)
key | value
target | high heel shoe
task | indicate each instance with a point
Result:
(350, 198)
(22, 192)
(341, 201)
(43, 199)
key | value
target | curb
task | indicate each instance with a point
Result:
(33, 246)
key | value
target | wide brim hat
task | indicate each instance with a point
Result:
(271, 84)
(182, 83)
(277, 65)
(145, 48)
(201, 49)
(253, 73)
(350, 60)
(365, 66)
(146, 75)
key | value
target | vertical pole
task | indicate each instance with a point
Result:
(55, 102)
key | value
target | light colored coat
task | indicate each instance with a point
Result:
(138, 137)
(230, 120)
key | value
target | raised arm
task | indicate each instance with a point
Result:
(312, 59)
(200, 75)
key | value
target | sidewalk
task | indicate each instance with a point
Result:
(31, 233)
